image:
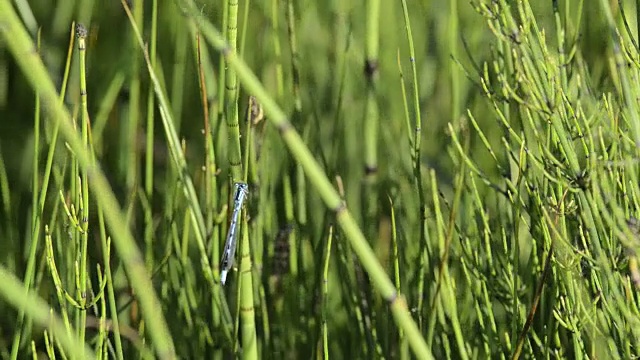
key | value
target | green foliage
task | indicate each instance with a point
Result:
(452, 180)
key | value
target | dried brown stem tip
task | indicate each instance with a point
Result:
(256, 111)
(81, 31)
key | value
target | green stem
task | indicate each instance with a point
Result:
(81, 33)
(231, 108)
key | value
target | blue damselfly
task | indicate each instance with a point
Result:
(228, 253)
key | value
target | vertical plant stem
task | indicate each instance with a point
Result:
(299, 215)
(111, 297)
(325, 296)
(231, 96)
(222, 69)
(36, 215)
(149, 151)
(371, 121)
(129, 131)
(81, 33)
(454, 32)
(416, 140)
(247, 308)
(371, 74)
(179, 66)
(295, 57)
(277, 52)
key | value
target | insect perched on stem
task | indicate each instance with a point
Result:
(228, 253)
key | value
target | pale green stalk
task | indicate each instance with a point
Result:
(371, 70)
(325, 292)
(129, 132)
(416, 139)
(36, 215)
(247, 308)
(81, 33)
(231, 96)
(371, 122)
(179, 66)
(277, 52)
(149, 152)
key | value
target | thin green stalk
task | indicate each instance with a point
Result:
(245, 22)
(277, 52)
(371, 74)
(638, 20)
(85, 9)
(290, 219)
(454, 33)
(129, 132)
(325, 296)
(246, 289)
(627, 90)
(252, 112)
(301, 212)
(179, 65)
(47, 343)
(222, 67)
(247, 308)
(61, 17)
(105, 243)
(34, 352)
(299, 215)
(149, 152)
(404, 350)
(81, 33)
(348, 281)
(211, 184)
(209, 167)
(4, 78)
(26, 14)
(99, 121)
(36, 215)
(255, 115)
(440, 235)
(231, 107)
(302, 195)
(35, 209)
(371, 120)
(295, 57)
(416, 140)
(371, 129)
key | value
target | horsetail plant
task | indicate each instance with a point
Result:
(231, 96)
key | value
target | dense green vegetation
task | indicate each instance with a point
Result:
(427, 179)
